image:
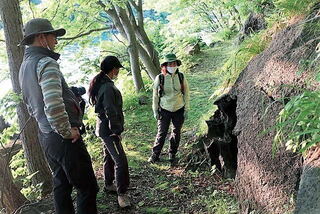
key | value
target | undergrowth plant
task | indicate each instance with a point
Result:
(240, 58)
(295, 7)
(299, 122)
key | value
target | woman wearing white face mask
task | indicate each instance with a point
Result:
(170, 104)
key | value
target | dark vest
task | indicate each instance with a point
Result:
(32, 93)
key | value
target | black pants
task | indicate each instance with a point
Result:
(71, 166)
(166, 117)
(115, 164)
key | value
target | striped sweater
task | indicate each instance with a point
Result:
(50, 81)
(46, 93)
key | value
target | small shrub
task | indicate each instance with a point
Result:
(298, 123)
(295, 7)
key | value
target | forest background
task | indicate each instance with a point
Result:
(208, 36)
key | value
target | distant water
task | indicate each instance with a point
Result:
(69, 65)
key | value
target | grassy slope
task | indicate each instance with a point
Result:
(159, 188)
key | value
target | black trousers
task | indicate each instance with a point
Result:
(115, 164)
(166, 117)
(71, 166)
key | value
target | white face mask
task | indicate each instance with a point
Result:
(171, 70)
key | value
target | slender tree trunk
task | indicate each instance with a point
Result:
(11, 17)
(238, 17)
(204, 12)
(11, 197)
(141, 33)
(133, 52)
(150, 62)
(218, 20)
(153, 71)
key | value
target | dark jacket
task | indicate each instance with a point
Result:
(109, 109)
(32, 93)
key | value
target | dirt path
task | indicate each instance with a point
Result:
(159, 188)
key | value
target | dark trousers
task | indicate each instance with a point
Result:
(166, 117)
(71, 166)
(115, 164)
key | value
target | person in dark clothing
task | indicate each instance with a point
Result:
(107, 99)
(78, 92)
(54, 106)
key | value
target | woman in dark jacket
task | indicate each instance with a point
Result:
(107, 99)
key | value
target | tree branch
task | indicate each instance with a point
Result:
(33, 16)
(133, 4)
(2, 40)
(56, 11)
(86, 33)
(139, 10)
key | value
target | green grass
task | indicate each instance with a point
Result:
(140, 132)
(218, 203)
(295, 7)
(160, 191)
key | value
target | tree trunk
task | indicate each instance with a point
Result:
(238, 17)
(151, 63)
(141, 33)
(11, 197)
(11, 17)
(133, 52)
(145, 58)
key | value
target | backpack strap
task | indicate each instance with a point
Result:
(161, 85)
(181, 77)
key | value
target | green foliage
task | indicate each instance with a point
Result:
(225, 34)
(219, 202)
(94, 143)
(7, 134)
(298, 123)
(22, 178)
(8, 105)
(295, 7)
(241, 57)
(153, 30)
(157, 210)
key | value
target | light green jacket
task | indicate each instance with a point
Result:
(172, 98)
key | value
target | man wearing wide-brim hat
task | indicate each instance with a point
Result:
(170, 105)
(58, 114)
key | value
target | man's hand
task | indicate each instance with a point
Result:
(156, 116)
(75, 134)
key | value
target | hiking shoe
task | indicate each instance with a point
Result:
(153, 158)
(124, 200)
(110, 188)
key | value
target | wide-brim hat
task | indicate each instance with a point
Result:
(37, 26)
(170, 58)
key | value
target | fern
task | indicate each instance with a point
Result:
(298, 124)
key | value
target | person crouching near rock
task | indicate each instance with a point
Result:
(107, 99)
(170, 104)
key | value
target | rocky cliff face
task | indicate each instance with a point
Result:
(265, 182)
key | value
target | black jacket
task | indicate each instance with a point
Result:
(109, 109)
